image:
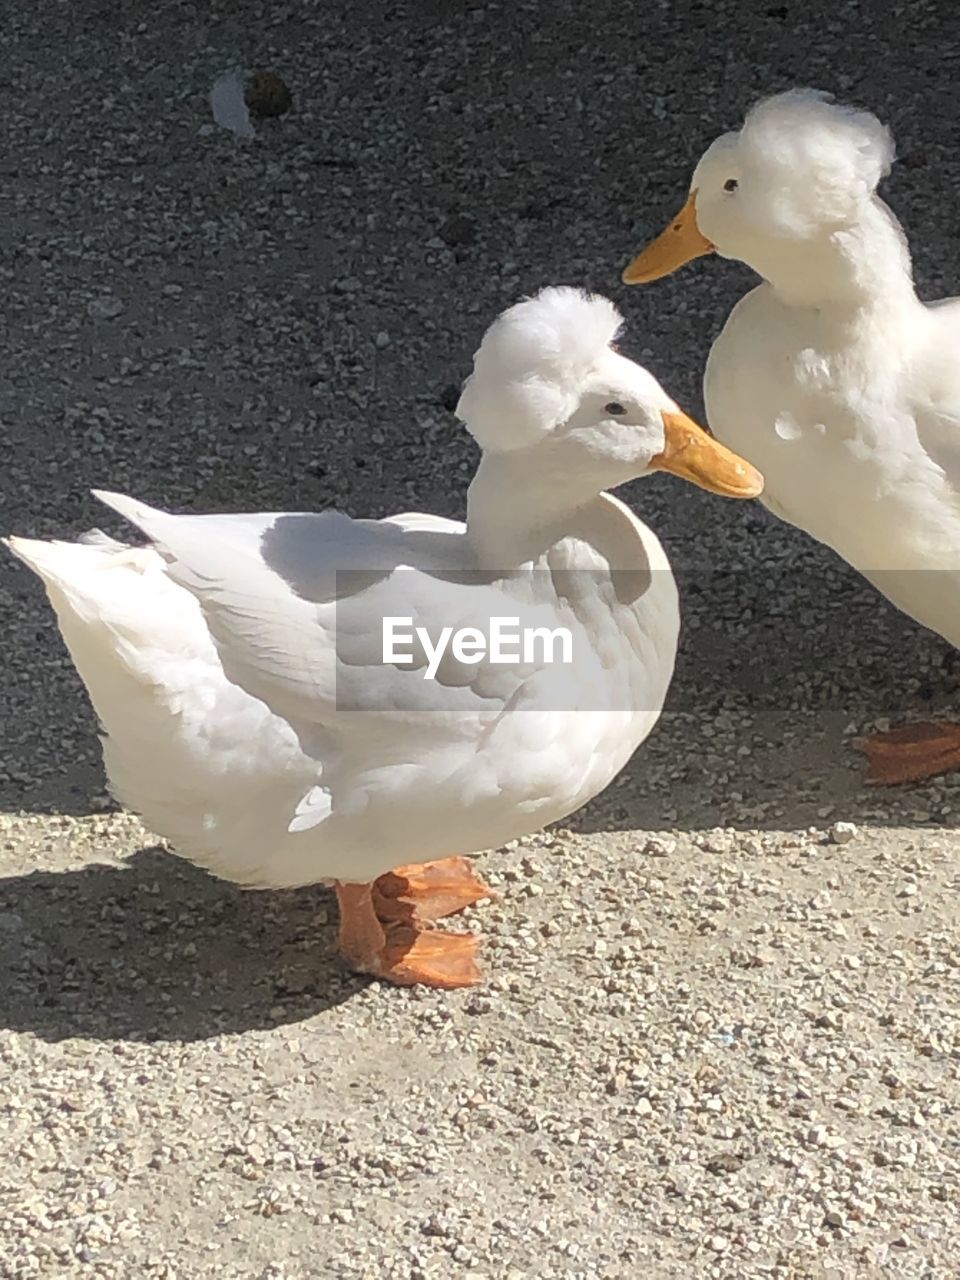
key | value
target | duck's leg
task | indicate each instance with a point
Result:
(402, 953)
(912, 754)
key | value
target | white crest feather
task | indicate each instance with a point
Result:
(533, 358)
(820, 160)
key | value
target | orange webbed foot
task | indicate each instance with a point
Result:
(911, 754)
(434, 958)
(424, 892)
(387, 927)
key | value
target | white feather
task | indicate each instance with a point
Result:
(206, 765)
(531, 363)
(816, 162)
(804, 163)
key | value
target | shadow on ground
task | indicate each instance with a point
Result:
(156, 950)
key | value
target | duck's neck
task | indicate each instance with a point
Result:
(865, 267)
(522, 503)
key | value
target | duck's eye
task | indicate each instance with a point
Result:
(731, 184)
(614, 408)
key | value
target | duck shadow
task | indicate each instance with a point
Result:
(156, 950)
(761, 722)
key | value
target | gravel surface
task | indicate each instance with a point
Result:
(721, 1031)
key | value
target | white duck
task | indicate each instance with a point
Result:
(237, 665)
(831, 375)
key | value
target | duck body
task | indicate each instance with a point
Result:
(360, 766)
(853, 415)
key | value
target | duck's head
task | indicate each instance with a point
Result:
(777, 194)
(548, 383)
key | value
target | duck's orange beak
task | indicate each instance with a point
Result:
(681, 242)
(692, 454)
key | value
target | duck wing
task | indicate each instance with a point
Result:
(296, 604)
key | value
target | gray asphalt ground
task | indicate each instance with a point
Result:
(720, 1034)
